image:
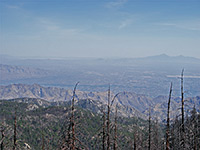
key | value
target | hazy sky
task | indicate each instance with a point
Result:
(99, 28)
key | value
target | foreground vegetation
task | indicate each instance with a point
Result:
(49, 128)
(36, 125)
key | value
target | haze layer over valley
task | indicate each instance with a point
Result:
(150, 75)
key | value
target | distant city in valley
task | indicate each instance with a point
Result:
(149, 75)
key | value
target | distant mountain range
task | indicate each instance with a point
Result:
(9, 72)
(64, 62)
(9, 57)
(130, 104)
(167, 57)
(149, 75)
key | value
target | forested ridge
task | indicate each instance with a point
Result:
(48, 127)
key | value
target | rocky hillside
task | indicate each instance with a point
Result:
(87, 104)
(141, 102)
(40, 123)
(130, 103)
(159, 109)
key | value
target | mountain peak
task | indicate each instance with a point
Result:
(163, 55)
(166, 57)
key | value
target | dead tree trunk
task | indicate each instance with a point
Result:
(115, 130)
(182, 114)
(104, 131)
(69, 140)
(149, 146)
(107, 124)
(108, 121)
(73, 118)
(15, 131)
(168, 119)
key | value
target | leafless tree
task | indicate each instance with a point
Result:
(15, 131)
(149, 145)
(69, 141)
(115, 130)
(168, 120)
(73, 118)
(182, 113)
(104, 131)
(108, 120)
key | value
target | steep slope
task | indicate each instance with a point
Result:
(49, 125)
(138, 101)
(141, 102)
(159, 111)
(87, 104)
(34, 91)
(130, 104)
